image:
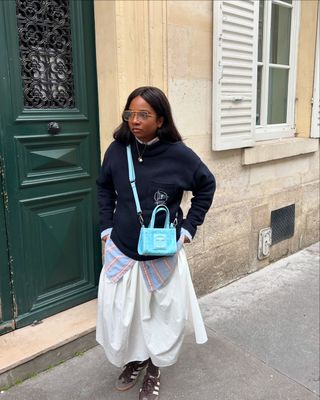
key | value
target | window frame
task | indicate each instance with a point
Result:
(266, 131)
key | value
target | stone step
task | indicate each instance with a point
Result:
(35, 348)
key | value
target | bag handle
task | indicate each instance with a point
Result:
(157, 209)
(132, 179)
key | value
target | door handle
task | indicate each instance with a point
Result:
(53, 128)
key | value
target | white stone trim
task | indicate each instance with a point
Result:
(277, 149)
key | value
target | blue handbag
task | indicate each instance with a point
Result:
(152, 241)
(158, 241)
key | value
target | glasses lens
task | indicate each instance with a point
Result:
(126, 115)
(143, 115)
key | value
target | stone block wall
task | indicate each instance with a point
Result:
(226, 246)
(169, 44)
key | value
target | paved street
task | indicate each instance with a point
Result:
(263, 345)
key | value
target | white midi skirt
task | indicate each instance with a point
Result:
(134, 324)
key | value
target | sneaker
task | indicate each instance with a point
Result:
(129, 375)
(150, 388)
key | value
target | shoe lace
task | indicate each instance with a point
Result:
(149, 383)
(127, 372)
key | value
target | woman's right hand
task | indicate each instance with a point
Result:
(105, 238)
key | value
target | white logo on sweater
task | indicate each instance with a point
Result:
(160, 197)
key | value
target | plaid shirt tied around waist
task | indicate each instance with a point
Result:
(155, 272)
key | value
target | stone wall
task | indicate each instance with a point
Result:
(226, 246)
(250, 182)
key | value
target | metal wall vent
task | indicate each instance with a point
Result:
(282, 223)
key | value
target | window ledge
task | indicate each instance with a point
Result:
(277, 149)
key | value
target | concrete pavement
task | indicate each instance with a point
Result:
(263, 345)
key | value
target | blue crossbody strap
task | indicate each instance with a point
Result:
(132, 178)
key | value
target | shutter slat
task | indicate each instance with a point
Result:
(244, 40)
(237, 17)
(241, 66)
(234, 73)
(237, 113)
(242, 5)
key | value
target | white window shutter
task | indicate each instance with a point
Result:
(235, 42)
(315, 118)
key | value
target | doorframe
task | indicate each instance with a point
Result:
(7, 313)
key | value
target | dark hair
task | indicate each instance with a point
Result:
(159, 102)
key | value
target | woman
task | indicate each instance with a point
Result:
(145, 302)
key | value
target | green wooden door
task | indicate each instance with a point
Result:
(49, 142)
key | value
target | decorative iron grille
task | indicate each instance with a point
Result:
(44, 31)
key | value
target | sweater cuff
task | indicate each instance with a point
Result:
(106, 232)
(188, 227)
(186, 233)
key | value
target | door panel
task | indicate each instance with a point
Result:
(52, 49)
(44, 159)
(58, 234)
(50, 176)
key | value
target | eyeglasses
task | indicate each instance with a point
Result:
(141, 115)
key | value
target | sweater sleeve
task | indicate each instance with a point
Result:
(203, 188)
(106, 194)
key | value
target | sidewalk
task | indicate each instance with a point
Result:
(263, 345)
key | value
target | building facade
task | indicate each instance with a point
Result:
(243, 80)
(241, 77)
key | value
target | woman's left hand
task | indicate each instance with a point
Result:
(186, 239)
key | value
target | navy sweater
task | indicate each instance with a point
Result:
(167, 171)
